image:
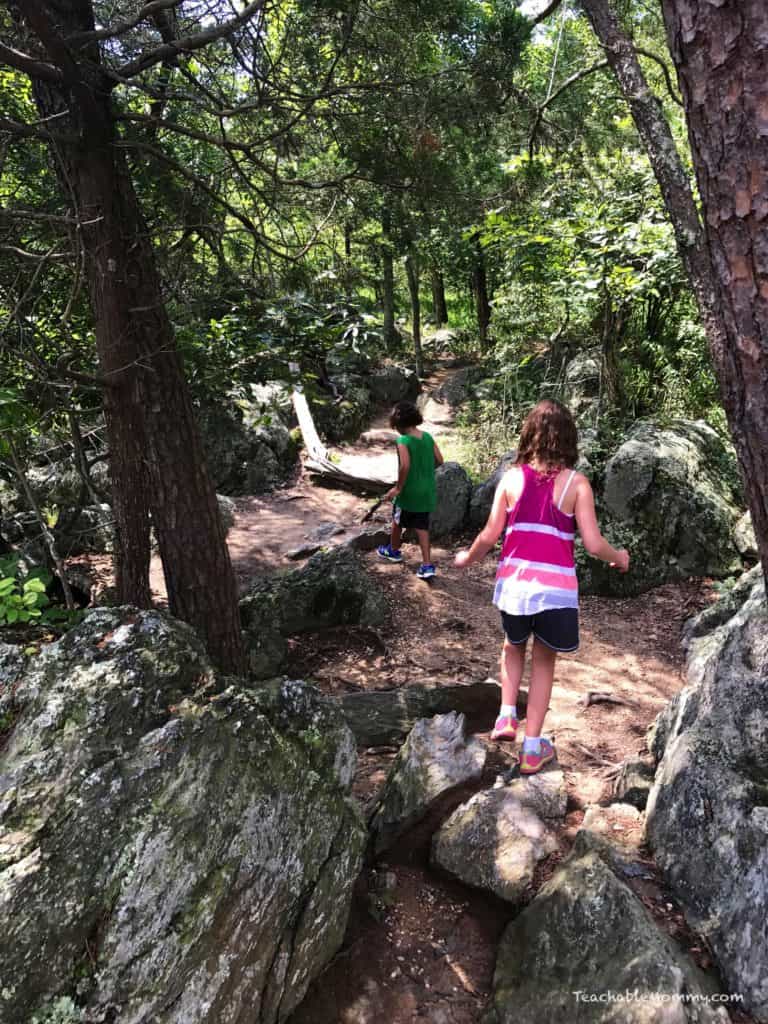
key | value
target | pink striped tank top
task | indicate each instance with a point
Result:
(536, 570)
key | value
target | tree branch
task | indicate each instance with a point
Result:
(189, 43)
(558, 92)
(34, 131)
(30, 66)
(667, 77)
(545, 13)
(120, 29)
(91, 379)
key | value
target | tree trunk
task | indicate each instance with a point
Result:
(721, 55)
(723, 260)
(348, 262)
(439, 307)
(388, 278)
(480, 292)
(157, 460)
(412, 270)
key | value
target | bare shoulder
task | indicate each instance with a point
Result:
(512, 483)
(580, 480)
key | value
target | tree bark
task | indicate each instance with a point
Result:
(348, 263)
(480, 291)
(723, 89)
(388, 278)
(412, 270)
(721, 55)
(439, 306)
(157, 460)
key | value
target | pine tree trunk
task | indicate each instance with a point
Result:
(156, 453)
(388, 278)
(727, 129)
(439, 306)
(721, 55)
(412, 270)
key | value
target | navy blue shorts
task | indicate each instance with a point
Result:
(410, 520)
(557, 628)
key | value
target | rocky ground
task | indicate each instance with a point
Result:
(420, 945)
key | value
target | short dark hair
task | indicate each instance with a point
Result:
(549, 436)
(405, 415)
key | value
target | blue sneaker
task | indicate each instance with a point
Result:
(385, 551)
(426, 571)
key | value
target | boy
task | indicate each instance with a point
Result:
(414, 493)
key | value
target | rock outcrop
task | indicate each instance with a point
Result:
(496, 839)
(671, 496)
(453, 492)
(244, 456)
(707, 814)
(435, 759)
(481, 499)
(586, 950)
(170, 849)
(331, 589)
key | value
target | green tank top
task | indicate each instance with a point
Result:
(418, 494)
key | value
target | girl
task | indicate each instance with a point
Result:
(414, 495)
(536, 591)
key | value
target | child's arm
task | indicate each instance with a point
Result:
(586, 519)
(404, 461)
(439, 460)
(490, 532)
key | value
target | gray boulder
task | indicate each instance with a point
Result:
(331, 589)
(481, 499)
(344, 417)
(633, 783)
(744, 537)
(707, 814)
(389, 384)
(387, 716)
(459, 386)
(60, 484)
(582, 385)
(171, 850)
(269, 403)
(453, 492)
(671, 496)
(732, 599)
(435, 759)
(227, 512)
(586, 951)
(91, 531)
(496, 839)
(243, 456)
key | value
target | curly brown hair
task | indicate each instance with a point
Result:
(549, 437)
(404, 415)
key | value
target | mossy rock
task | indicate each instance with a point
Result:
(671, 495)
(173, 844)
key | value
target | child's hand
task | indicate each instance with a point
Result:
(622, 562)
(461, 559)
(391, 494)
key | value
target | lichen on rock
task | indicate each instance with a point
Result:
(173, 846)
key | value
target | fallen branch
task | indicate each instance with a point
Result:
(601, 697)
(348, 470)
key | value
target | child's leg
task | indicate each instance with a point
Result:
(512, 664)
(540, 689)
(396, 536)
(426, 555)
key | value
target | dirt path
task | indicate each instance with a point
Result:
(420, 946)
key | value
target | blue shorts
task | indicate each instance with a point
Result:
(557, 628)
